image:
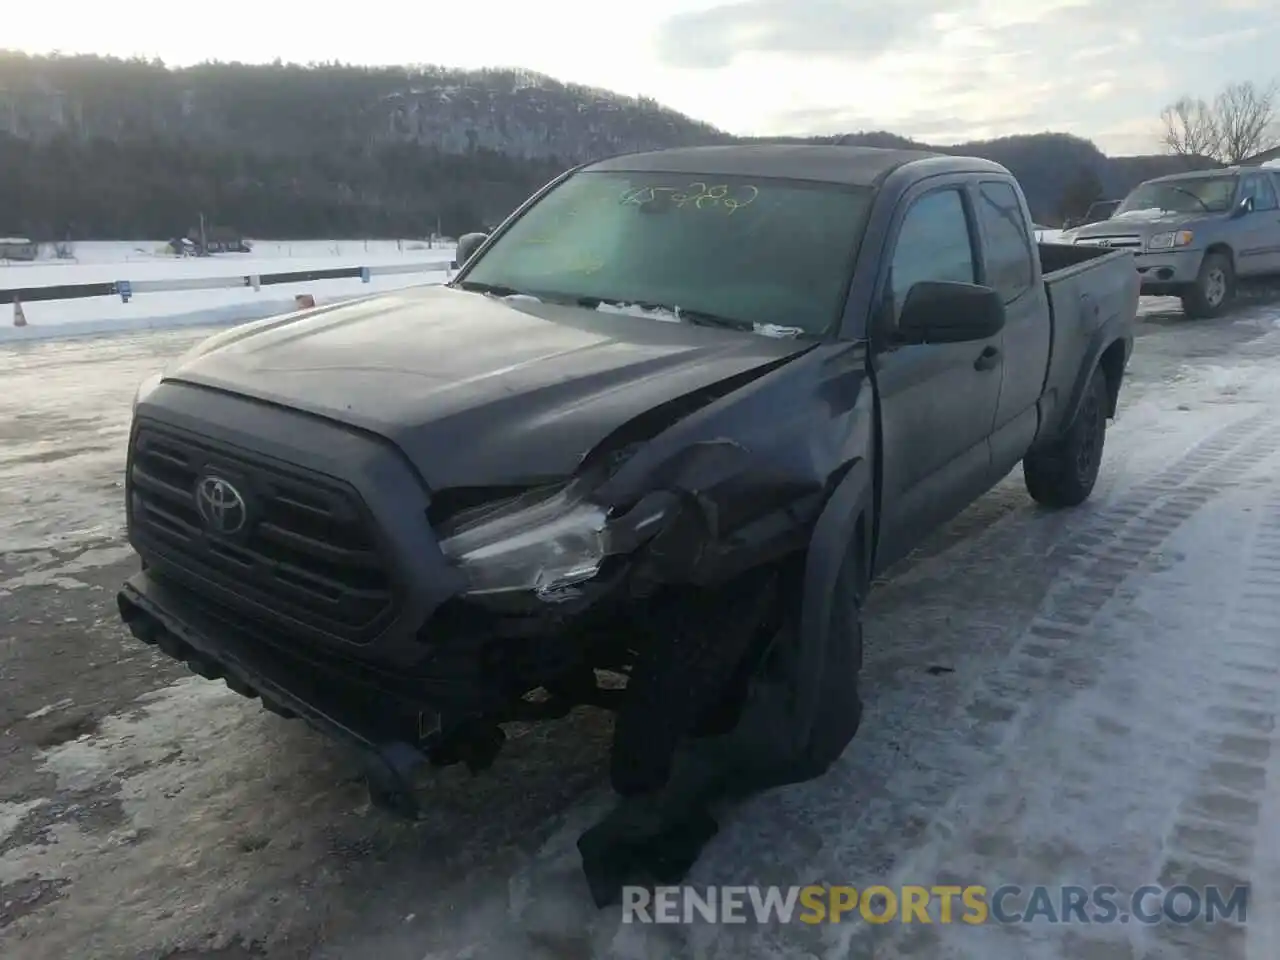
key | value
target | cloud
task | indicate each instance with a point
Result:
(944, 71)
(716, 37)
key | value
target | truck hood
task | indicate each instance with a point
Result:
(1140, 223)
(475, 390)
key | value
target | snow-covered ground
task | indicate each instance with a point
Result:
(1076, 697)
(109, 262)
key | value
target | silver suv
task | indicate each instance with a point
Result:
(1193, 234)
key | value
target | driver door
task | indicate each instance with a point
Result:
(1266, 210)
(937, 400)
(1258, 231)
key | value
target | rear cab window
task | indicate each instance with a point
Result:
(1007, 247)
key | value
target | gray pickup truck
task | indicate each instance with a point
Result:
(647, 451)
(1194, 234)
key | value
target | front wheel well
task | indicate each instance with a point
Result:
(1223, 249)
(1111, 363)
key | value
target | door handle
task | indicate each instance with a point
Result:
(988, 359)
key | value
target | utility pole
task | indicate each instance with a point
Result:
(204, 246)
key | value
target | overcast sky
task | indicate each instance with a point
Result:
(937, 70)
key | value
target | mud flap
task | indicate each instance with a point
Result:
(699, 636)
(389, 778)
(778, 739)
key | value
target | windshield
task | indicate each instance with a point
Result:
(1195, 195)
(750, 251)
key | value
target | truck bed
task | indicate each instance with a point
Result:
(1088, 288)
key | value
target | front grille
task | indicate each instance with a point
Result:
(1123, 243)
(307, 554)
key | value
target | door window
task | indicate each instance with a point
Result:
(1259, 189)
(1265, 198)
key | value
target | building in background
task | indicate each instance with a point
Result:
(219, 240)
(18, 248)
(1258, 159)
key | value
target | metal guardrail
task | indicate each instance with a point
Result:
(127, 289)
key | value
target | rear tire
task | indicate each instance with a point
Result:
(1214, 289)
(1064, 474)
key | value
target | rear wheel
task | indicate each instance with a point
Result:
(1064, 474)
(1214, 288)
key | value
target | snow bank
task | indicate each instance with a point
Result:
(110, 262)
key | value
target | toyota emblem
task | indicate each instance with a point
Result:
(221, 506)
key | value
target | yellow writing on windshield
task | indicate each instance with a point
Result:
(699, 195)
(584, 264)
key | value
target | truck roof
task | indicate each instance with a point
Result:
(1198, 174)
(823, 163)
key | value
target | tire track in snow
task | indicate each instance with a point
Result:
(1059, 649)
(1107, 744)
(1220, 829)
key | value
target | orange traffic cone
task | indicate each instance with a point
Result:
(19, 318)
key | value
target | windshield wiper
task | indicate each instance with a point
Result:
(699, 318)
(502, 290)
(1193, 197)
(497, 289)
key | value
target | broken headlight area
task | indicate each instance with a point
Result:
(546, 542)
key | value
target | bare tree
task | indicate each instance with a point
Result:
(1190, 128)
(1246, 120)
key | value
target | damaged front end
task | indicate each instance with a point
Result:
(690, 558)
(681, 558)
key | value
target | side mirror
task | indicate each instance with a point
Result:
(1244, 206)
(943, 311)
(468, 244)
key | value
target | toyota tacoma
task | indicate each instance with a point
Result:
(646, 451)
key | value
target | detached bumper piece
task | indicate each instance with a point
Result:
(387, 741)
